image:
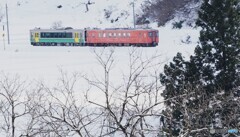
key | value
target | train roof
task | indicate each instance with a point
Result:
(121, 29)
(68, 29)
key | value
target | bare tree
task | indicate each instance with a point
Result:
(132, 106)
(64, 112)
(34, 127)
(13, 104)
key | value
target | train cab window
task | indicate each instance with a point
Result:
(150, 34)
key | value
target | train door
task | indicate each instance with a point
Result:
(76, 37)
(154, 38)
(36, 37)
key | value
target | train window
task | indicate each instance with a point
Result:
(51, 35)
(68, 35)
(64, 35)
(110, 34)
(55, 35)
(104, 35)
(47, 35)
(114, 34)
(99, 35)
(42, 35)
(128, 34)
(119, 34)
(60, 35)
(157, 34)
(124, 34)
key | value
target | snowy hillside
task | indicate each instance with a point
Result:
(44, 62)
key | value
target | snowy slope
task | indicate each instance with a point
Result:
(44, 62)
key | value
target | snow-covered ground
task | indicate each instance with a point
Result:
(43, 63)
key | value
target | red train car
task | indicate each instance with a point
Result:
(122, 37)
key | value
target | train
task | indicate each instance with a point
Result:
(94, 37)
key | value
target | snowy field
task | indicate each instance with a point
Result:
(44, 63)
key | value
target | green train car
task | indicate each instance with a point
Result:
(57, 37)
